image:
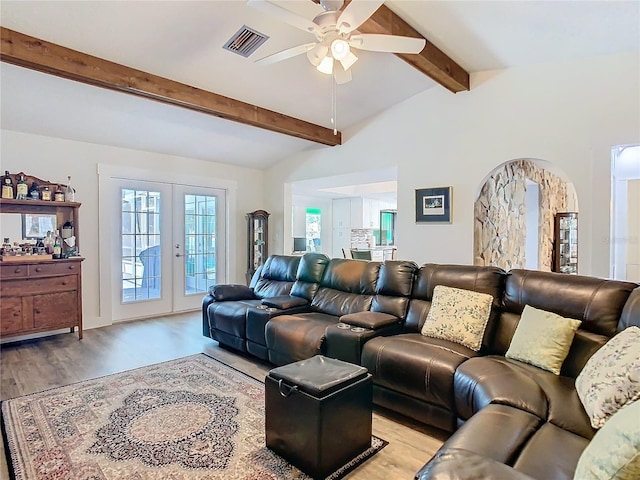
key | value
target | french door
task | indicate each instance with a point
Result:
(169, 246)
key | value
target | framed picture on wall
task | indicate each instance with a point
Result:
(433, 205)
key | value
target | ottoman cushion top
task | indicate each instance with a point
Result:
(319, 376)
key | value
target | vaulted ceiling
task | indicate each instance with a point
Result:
(171, 50)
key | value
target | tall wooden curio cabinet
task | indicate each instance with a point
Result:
(257, 241)
(565, 252)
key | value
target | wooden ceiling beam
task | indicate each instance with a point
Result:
(36, 54)
(431, 61)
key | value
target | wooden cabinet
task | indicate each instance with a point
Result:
(257, 241)
(41, 295)
(565, 252)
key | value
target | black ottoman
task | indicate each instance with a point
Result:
(318, 413)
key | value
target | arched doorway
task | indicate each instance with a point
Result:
(506, 212)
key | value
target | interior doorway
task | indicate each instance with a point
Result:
(625, 218)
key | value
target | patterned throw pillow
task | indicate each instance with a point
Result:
(459, 316)
(614, 451)
(611, 377)
(542, 339)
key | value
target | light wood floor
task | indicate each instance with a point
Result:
(35, 365)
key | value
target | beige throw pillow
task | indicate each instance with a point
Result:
(459, 316)
(614, 451)
(611, 377)
(542, 339)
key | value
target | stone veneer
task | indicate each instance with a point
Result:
(500, 215)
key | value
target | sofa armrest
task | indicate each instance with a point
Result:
(231, 292)
(370, 320)
(285, 302)
(345, 342)
(460, 464)
(206, 301)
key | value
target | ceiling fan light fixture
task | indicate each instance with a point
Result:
(317, 53)
(326, 65)
(340, 49)
(348, 60)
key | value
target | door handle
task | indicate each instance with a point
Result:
(178, 255)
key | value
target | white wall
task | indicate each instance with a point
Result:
(54, 158)
(570, 114)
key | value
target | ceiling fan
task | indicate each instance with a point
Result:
(336, 36)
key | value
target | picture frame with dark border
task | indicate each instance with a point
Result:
(433, 205)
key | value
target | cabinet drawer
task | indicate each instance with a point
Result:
(11, 314)
(35, 286)
(13, 271)
(55, 310)
(53, 269)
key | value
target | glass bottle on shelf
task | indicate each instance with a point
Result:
(7, 185)
(58, 196)
(46, 193)
(48, 242)
(57, 248)
(22, 189)
(34, 191)
(69, 193)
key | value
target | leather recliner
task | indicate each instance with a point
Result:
(347, 286)
(225, 308)
(521, 416)
(413, 374)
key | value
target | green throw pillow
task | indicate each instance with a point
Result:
(542, 339)
(458, 315)
(614, 451)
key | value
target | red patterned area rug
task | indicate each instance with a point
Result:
(188, 419)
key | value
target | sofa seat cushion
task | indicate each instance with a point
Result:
(418, 366)
(498, 432)
(460, 464)
(514, 437)
(551, 452)
(230, 317)
(495, 379)
(291, 338)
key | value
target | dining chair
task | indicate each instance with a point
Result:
(361, 254)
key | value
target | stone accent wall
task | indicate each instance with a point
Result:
(500, 215)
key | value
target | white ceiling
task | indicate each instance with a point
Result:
(182, 40)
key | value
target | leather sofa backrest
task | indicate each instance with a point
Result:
(631, 311)
(347, 286)
(597, 302)
(395, 282)
(309, 275)
(488, 280)
(277, 276)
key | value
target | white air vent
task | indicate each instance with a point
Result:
(245, 41)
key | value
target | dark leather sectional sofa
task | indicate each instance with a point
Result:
(509, 419)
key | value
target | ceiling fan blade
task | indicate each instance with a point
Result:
(284, 15)
(387, 43)
(285, 54)
(356, 13)
(340, 74)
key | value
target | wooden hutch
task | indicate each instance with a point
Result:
(37, 293)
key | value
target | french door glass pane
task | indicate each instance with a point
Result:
(140, 236)
(199, 243)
